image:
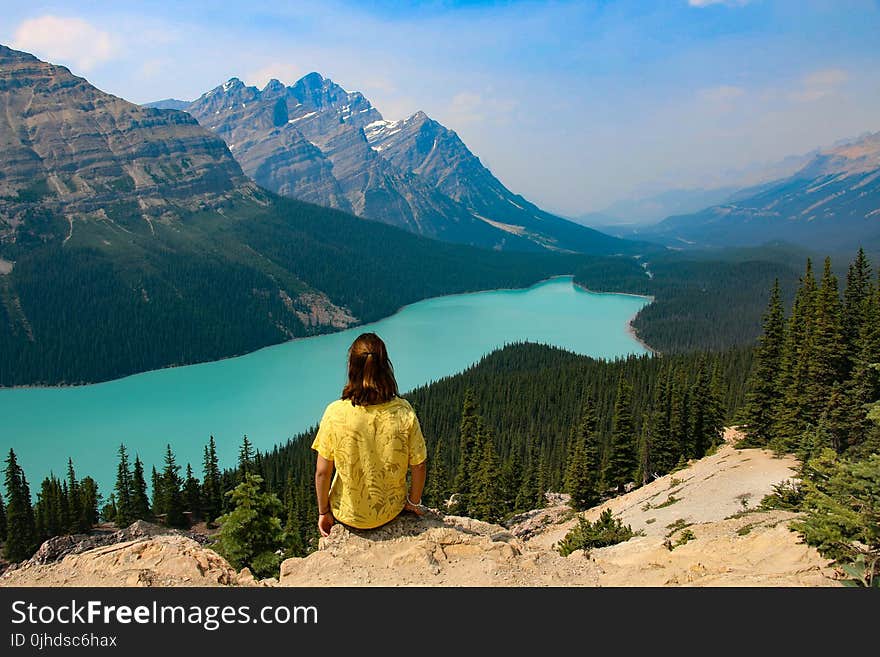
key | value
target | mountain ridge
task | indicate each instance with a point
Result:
(832, 202)
(131, 240)
(315, 141)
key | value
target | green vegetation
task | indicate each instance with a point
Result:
(251, 534)
(821, 403)
(685, 536)
(111, 302)
(670, 500)
(842, 504)
(607, 530)
(710, 301)
(21, 531)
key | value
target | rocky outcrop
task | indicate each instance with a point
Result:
(138, 556)
(728, 541)
(697, 527)
(58, 547)
(70, 149)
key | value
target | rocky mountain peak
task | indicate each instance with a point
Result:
(273, 87)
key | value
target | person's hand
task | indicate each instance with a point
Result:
(325, 522)
(418, 509)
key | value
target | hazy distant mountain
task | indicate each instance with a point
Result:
(832, 202)
(656, 207)
(168, 103)
(317, 142)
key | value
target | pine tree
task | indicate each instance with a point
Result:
(251, 533)
(485, 503)
(211, 494)
(715, 411)
(511, 479)
(764, 394)
(108, 513)
(794, 413)
(825, 354)
(582, 464)
(172, 496)
(89, 501)
(246, 459)
(158, 499)
(50, 511)
(856, 298)
(2, 520)
(467, 452)
(140, 502)
(665, 450)
(529, 496)
(679, 420)
(192, 493)
(294, 544)
(622, 459)
(437, 486)
(77, 521)
(863, 385)
(124, 503)
(700, 412)
(541, 480)
(21, 537)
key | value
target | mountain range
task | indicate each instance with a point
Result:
(131, 239)
(317, 142)
(831, 203)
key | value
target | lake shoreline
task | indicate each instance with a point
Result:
(630, 329)
(63, 386)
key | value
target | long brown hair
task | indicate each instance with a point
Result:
(370, 372)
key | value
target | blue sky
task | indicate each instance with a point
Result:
(572, 104)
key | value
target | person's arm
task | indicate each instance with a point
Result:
(323, 476)
(418, 473)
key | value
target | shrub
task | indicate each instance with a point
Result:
(251, 533)
(787, 495)
(606, 531)
(842, 505)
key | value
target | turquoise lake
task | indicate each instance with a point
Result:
(277, 392)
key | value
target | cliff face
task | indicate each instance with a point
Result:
(729, 543)
(71, 149)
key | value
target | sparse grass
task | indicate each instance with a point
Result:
(746, 529)
(684, 537)
(646, 506)
(743, 499)
(675, 482)
(678, 525)
(669, 502)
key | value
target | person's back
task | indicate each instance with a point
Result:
(371, 437)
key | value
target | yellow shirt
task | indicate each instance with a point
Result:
(372, 448)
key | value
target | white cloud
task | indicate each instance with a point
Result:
(819, 84)
(706, 3)
(65, 40)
